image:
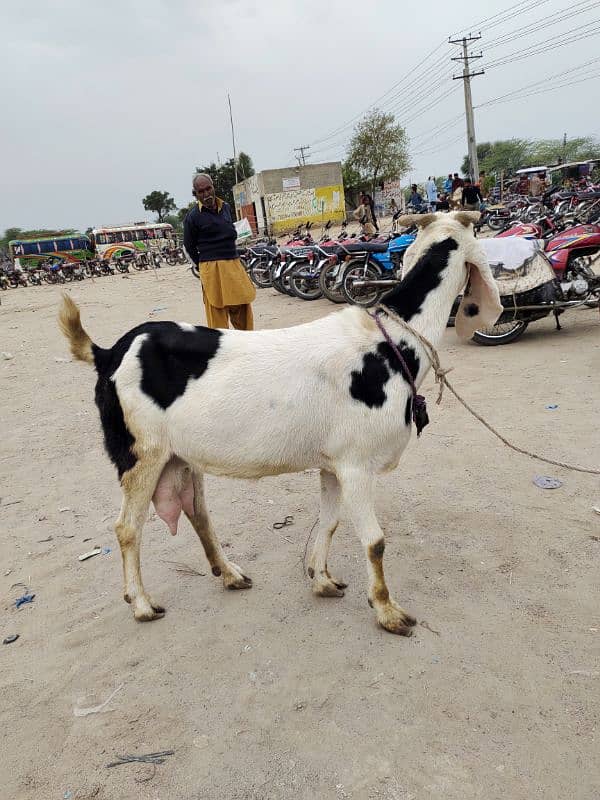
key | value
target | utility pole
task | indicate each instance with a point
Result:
(233, 139)
(466, 78)
(237, 213)
(301, 157)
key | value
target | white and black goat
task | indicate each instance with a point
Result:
(178, 400)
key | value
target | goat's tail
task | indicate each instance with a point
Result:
(69, 321)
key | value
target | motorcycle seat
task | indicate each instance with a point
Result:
(365, 247)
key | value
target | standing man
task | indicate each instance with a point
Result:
(471, 196)
(448, 184)
(431, 191)
(209, 238)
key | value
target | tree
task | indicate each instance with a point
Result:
(558, 151)
(223, 177)
(378, 149)
(159, 202)
(509, 155)
(352, 183)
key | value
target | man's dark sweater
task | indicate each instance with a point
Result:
(470, 195)
(209, 235)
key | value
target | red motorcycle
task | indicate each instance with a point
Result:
(561, 276)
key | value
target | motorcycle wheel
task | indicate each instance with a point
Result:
(303, 285)
(496, 223)
(501, 333)
(364, 296)
(277, 283)
(260, 275)
(327, 283)
(171, 260)
(137, 265)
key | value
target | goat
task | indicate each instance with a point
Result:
(177, 401)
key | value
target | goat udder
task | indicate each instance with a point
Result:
(174, 493)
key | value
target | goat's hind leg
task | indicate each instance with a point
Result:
(325, 585)
(138, 485)
(195, 509)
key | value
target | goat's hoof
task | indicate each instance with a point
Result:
(234, 578)
(327, 587)
(147, 613)
(395, 619)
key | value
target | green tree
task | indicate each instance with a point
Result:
(378, 150)
(508, 155)
(223, 177)
(352, 183)
(159, 202)
(557, 151)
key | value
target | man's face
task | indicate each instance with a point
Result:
(204, 191)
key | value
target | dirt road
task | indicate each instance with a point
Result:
(273, 693)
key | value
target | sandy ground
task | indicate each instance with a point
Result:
(274, 693)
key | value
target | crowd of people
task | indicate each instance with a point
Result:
(456, 193)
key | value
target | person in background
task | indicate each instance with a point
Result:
(371, 203)
(415, 199)
(457, 183)
(537, 184)
(455, 198)
(471, 196)
(393, 206)
(481, 183)
(363, 215)
(431, 192)
(209, 239)
(448, 184)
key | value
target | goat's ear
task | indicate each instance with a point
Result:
(467, 217)
(420, 220)
(480, 306)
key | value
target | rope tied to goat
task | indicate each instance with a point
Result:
(443, 382)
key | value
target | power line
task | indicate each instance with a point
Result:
(545, 22)
(553, 42)
(562, 74)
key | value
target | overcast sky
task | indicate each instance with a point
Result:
(104, 102)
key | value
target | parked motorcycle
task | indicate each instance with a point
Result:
(565, 280)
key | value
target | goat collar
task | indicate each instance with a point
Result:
(419, 404)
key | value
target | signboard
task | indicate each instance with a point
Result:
(291, 183)
(244, 231)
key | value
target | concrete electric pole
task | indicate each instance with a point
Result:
(466, 78)
(301, 157)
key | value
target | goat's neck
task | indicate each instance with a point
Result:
(426, 309)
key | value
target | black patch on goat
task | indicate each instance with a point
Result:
(118, 440)
(426, 275)
(471, 310)
(368, 385)
(170, 356)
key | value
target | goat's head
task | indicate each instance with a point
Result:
(480, 305)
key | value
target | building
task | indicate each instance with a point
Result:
(278, 200)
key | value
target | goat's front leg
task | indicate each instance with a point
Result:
(138, 485)
(197, 513)
(358, 495)
(325, 585)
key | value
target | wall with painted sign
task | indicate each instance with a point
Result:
(280, 199)
(286, 210)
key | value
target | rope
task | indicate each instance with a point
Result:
(442, 381)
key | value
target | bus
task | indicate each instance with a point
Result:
(29, 253)
(116, 241)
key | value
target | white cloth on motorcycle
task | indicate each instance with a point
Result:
(518, 265)
(510, 251)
